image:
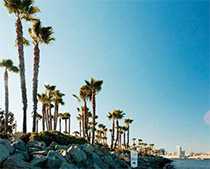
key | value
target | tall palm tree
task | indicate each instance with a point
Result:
(39, 35)
(95, 86)
(119, 116)
(23, 10)
(112, 116)
(50, 89)
(60, 116)
(43, 99)
(85, 94)
(57, 100)
(66, 117)
(8, 66)
(128, 122)
(38, 118)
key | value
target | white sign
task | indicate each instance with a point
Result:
(134, 159)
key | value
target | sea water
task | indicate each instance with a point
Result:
(191, 164)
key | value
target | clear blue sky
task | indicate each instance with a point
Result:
(152, 56)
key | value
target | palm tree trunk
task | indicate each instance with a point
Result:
(80, 128)
(43, 117)
(94, 116)
(6, 99)
(128, 133)
(69, 124)
(56, 116)
(60, 124)
(35, 83)
(113, 131)
(117, 135)
(65, 125)
(124, 143)
(86, 118)
(19, 32)
(50, 118)
(37, 125)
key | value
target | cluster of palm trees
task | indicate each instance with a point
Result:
(87, 119)
(24, 11)
(51, 99)
(118, 130)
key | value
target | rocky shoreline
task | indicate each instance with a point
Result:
(39, 155)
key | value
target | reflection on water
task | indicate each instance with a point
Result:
(191, 164)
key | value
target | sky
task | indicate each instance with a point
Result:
(152, 56)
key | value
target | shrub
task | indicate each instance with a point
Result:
(54, 136)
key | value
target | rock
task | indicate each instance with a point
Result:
(37, 144)
(54, 159)
(7, 144)
(19, 145)
(39, 154)
(98, 163)
(75, 153)
(39, 162)
(66, 165)
(88, 148)
(5, 150)
(16, 162)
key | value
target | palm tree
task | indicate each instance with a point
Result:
(57, 100)
(95, 86)
(119, 115)
(50, 89)
(66, 117)
(60, 115)
(43, 99)
(39, 35)
(79, 118)
(85, 94)
(22, 9)
(8, 66)
(128, 122)
(38, 118)
(112, 116)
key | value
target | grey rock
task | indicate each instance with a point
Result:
(15, 162)
(5, 150)
(66, 165)
(7, 144)
(98, 163)
(54, 159)
(88, 148)
(39, 162)
(19, 145)
(74, 152)
(38, 145)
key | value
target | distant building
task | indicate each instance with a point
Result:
(179, 152)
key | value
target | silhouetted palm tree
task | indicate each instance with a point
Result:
(128, 122)
(95, 86)
(39, 35)
(8, 67)
(22, 9)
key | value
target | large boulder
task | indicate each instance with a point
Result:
(54, 160)
(88, 148)
(5, 150)
(39, 162)
(36, 146)
(66, 165)
(75, 153)
(15, 162)
(7, 144)
(19, 145)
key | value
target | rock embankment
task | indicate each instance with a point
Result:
(37, 155)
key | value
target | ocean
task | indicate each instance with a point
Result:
(191, 164)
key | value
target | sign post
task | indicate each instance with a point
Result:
(134, 159)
